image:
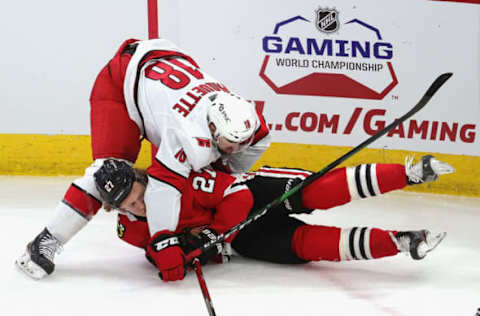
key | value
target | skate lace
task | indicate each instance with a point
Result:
(48, 246)
(413, 173)
(402, 242)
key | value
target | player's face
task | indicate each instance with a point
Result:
(134, 202)
(226, 147)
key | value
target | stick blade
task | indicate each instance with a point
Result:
(438, 83)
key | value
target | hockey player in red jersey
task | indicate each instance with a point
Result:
(153, 90)
(214, 202)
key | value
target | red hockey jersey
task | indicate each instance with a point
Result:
(216, 199)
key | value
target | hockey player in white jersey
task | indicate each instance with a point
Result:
(152, 90)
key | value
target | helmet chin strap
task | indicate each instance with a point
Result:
(214, 132)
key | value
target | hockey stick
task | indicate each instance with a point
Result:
(153, 33)
(259, 213)
(203, 286)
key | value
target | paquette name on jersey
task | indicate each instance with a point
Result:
(187, 103)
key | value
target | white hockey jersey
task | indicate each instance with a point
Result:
(167, 96)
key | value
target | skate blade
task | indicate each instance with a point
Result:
(435, 241)
(30, 268)
(441, 168)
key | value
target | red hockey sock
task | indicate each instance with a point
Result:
(327, 191)
(391, 177)
(342, 185)
(312, 242)
(381, 243)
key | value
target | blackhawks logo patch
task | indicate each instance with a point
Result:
(120, 230)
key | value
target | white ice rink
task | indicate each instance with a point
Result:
(97, 274)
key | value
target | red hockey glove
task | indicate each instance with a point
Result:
(194, 241)
(164, 249)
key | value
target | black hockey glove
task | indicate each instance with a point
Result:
(193, 241)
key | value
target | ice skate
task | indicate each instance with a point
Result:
(37, 261)
(426, 170)
(417, 243)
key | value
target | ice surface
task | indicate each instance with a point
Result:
(97, 274)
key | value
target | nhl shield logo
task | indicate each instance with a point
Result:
(327, 20)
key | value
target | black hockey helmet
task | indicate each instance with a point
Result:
(114, 181)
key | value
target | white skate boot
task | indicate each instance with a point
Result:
(426, 170)
(417, 243)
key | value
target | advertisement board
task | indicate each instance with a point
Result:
(334, 73)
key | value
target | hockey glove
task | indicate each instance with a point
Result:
(169, 258)
(216, 253)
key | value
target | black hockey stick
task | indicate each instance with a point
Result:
(203, 287)
(259, 213)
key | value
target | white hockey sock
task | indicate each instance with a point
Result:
(65, 223)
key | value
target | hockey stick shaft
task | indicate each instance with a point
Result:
(203, 287)
(259, 213)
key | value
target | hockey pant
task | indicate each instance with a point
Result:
(114, 135)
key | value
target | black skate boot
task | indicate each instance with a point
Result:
(426, 170)
(37, 261)
(417, 243)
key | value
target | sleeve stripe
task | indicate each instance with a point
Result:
(162, 173)
(352, 186)
(374, 180)
(82, 202)
(235, 187)
(262, 130)
(362, 243)
(369, 181)
(354, 244)
(351, 243)
(170, 170)
(358, 182)
(282, 172)
(166, 182)
(84, 191)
